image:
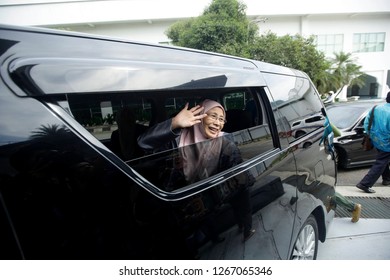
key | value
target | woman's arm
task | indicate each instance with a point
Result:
(158, 136)
(163, 133)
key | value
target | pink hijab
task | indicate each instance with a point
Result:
(195, 133)
(201, 160)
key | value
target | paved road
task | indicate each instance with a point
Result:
(369, 238)
(350, 177)
(347, 180)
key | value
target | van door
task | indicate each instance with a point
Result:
(295, 100)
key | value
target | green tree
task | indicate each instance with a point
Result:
(291, 51)
(344, 73)
(223, 27)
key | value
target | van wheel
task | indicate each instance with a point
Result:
(306, 244)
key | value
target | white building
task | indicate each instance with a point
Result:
(358, 26)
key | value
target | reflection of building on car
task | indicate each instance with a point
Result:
(71, 189)
(349, 117)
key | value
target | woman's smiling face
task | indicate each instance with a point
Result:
(214, 122)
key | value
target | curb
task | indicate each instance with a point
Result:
(381, 191)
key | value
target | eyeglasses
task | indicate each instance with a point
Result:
(215, 117)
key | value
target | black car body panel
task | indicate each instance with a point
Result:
(68, 192)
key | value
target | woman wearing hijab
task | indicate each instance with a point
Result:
(197, 133)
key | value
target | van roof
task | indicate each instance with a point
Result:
(52, 62)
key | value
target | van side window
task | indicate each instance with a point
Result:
(247, 122)
(298, 105)
(103, 115)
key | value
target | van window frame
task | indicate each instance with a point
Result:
(189, 189)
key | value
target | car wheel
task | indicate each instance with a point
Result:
(306, 244)
(307, 145)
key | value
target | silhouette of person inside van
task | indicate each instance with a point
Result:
(124, 139)
(197, 132)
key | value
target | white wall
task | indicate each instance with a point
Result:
(153, 32)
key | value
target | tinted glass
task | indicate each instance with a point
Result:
(298, 103)
(102, 115)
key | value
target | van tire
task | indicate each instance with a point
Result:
(306, 244)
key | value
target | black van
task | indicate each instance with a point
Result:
(73, 186)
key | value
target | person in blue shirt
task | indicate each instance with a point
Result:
(380, 136)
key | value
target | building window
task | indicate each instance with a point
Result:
(369, 42)
(329, 43)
